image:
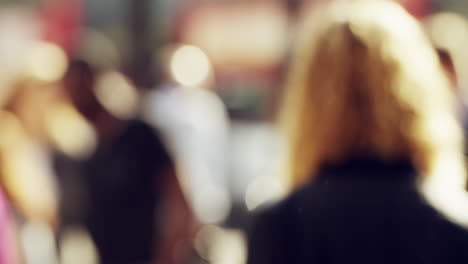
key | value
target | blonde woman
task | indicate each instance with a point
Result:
(371, 124)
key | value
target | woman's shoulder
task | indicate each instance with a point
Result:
(275, 228)
(279, 211)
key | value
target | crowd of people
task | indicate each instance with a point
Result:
(95, 170)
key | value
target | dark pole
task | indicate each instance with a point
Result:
(140, 66)
(293, 7)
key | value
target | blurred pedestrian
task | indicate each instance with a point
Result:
(32, 189)
(371, 121)
(128, 194)
(194, 121)
(26, 167)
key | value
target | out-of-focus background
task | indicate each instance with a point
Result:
(206, 75)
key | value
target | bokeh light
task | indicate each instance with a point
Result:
(190, 66)
(70, 132)
(77, 247)
(38, 243)
(117, 94)
(47, 62)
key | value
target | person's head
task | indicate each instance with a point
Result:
(366, 81)
(79, 81)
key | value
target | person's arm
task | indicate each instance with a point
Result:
(178, 224)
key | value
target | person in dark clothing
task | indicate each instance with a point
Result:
(120, 187)
(361, 211)
(370, 170)
(126, 193)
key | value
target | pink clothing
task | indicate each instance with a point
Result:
(7, 243)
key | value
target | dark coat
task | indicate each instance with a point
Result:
(115, 193)
(363, 211)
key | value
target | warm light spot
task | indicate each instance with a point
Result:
(190, 66)
(117, 94)
(263, 190)
(47, 62)
(229, 248)
(204, 239)
(221, 246)
(212, 205)
(449, 31)
(32, 185)
(70, 132)
(77, 247)
(37, 240)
